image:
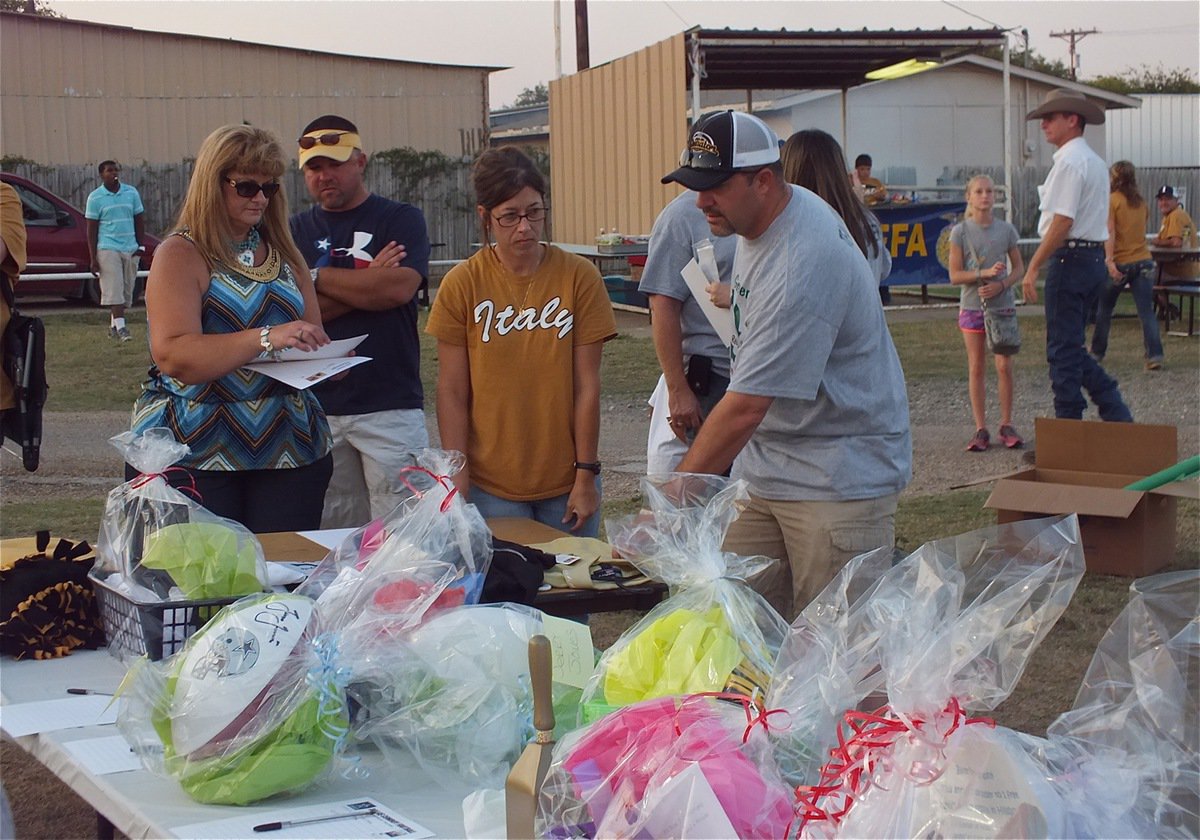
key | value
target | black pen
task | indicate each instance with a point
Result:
(276, 826)
(89, 691)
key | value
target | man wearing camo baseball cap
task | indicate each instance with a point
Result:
(816, 413)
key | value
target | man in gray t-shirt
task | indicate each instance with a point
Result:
(816, 412)
(694, 361)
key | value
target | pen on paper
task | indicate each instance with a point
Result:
(89, 691)
(276, 826)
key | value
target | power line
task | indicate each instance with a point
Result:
(1072, 37)
(977, 17)
(682, 19)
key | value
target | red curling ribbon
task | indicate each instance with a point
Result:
(756, 715)
(142, 479)
(443, 480)
(853, 762)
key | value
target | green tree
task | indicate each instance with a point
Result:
(31, 7)
(1036, 61)
(539, 94)
(1146, 79)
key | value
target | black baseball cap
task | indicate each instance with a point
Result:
(721, 144)
(1166, 191)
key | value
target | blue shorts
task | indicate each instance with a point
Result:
(970, 320)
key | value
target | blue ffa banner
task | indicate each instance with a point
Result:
(918, 238)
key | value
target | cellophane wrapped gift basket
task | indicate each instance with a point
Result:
(696, 766)
(164, 563)
(1124, 759)
(255, 704)
(956, 623)
(454, 693)
(713, 633)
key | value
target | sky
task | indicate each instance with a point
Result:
(519, 34)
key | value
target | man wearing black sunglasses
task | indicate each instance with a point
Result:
(368, 257)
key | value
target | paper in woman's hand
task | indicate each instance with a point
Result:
(304, 368)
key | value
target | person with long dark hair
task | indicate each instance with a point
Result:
(813, 159)
(520, 329)
(1129, 263)
(229, 287)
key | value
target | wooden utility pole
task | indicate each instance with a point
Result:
(582, 59)
(1072, 37)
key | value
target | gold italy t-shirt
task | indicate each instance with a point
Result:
(520, 334)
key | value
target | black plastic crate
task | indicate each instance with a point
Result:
(154, 630)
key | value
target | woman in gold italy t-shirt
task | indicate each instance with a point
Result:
(520, 328)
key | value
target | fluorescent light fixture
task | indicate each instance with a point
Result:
(903, 68)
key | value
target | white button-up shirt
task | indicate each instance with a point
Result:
(1077, 187)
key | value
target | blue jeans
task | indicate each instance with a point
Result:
(547, 511)
(1139, 276)
(1074, 280)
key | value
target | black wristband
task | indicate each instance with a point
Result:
(590, 467)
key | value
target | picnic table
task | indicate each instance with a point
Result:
(1184, 291)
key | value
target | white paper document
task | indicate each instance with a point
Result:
(101, 756)
(329, 538)
(721, 319)
(359, 818)
(686, 806)
(302, 369)
(50, 715)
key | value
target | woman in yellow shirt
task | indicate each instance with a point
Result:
(520, 327)
(1129, 264)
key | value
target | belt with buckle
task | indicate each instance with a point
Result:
(1082, 243)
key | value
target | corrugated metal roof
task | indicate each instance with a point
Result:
(189, 37)
(749, 59)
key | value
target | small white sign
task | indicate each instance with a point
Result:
(721, 319)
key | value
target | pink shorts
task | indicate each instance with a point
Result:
(970, 320)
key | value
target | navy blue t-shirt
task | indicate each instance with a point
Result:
(351, 239)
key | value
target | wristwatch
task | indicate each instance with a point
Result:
(314, 273)
(264, 338)
(593, 467)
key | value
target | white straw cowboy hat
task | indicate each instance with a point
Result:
(1061, 100)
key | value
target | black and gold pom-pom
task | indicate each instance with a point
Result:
(47, 606)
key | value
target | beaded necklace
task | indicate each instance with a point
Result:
(246, 249)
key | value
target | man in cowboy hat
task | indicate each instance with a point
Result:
(1073, 227)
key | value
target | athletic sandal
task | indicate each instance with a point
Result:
(980, 442)
(1010, 437)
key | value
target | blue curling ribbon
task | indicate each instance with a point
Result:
(329, 681)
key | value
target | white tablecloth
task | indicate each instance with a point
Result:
(141, 804)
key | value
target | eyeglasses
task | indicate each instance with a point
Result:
(510, 219)
(330, 139)
(249, 189)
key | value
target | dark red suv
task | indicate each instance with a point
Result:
(57, 259)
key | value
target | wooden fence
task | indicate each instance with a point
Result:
(1026, 180)
(449, 207)
(445, 200)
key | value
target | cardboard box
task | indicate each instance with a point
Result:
(1081, 467)
(290, 547)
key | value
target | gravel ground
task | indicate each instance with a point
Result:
(78, 461)
(77, 458)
